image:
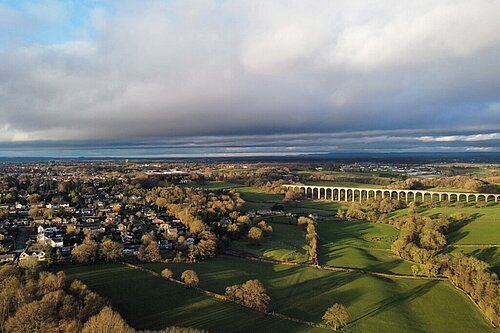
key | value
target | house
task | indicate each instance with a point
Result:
(56, 242)
(38, 254)
(7, 258)
(165, 245)
(190, 241)
(20, 206)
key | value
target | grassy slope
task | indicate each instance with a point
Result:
(149, 302)
(360, 245)
(375, 304)
(286, 243)
(255, 199)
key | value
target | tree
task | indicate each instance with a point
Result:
(34, 317)
(255, 235)
(336, 316)
(243, 219)
(190, 278)
(151, 252)
(167, 273)
(48, 213)
(111, 251)
(161, 203)
(292, 195)
(87, 251)
(50, 254)
(107, 321)
(341, 214)
(266, 228)
(32, 264)
(117, 208)
(34, 198)
(251, 294)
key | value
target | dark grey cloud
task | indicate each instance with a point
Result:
(227, 75)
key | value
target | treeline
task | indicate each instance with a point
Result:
(420, 239)
(37, 302)
(311, 238)
(373, 210)
(108, 321)
(317, 176)
(468, 183)
(44, 302)
(472, 276)
(91, 250)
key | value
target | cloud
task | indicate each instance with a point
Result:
(248, 69)
(464, 138)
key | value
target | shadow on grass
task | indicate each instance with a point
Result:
(455, 233)
(397, 299)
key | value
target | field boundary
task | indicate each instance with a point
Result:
(330, 268)
(221, 297)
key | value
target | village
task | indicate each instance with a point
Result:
(52, 209)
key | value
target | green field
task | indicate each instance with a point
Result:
(359, 245)
(286, 243)
(255, 199)
(375, 304)
(149, 302)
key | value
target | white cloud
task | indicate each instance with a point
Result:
(163, 69)
(464, 138)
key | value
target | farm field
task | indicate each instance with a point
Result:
(255, 199)
(360, 245)
(375, 304)
(285, 244)
(149, 302)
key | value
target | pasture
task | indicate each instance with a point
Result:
(286, 243)
(375, 304)
(360, 245)
(149, 302)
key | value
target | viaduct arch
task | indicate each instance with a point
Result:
(336, 193)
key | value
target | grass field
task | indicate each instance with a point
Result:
(359, 245)
(375, 304)
(286, 243)
(255, 199)
(149, 302)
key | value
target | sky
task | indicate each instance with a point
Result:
(245, 78)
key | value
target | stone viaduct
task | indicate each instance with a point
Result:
(337, 193)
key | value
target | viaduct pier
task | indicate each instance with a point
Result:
(336, 193)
